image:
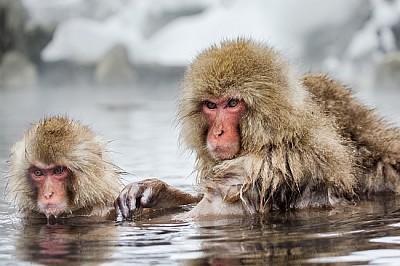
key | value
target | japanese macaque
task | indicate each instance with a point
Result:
(266, 138)
(61, 168)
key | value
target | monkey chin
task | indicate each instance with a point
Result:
(53, 209)
(220, 153)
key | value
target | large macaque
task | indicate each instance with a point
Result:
(60, 168)
(266, 138)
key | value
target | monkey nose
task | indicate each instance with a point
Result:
(48, 195)
(218, 133)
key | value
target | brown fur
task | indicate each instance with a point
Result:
(304, 141)
(59, 140)
(376, 143)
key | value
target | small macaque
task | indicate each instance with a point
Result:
(267, 139)
(60, 168)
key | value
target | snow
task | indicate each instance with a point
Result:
(376, 33)
(85, 40)
(346, 39)
(281, 23)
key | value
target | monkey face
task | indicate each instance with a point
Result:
(62, 168)
(242, 70)
(50, 182)
(222, 116)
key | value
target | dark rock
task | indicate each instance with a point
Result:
(12, 23)
(396, 33)
(36, 38)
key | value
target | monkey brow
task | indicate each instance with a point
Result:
(234, 98)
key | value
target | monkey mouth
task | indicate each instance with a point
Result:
(52, 209)
(219, 152)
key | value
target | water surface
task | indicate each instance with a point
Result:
(144, 141)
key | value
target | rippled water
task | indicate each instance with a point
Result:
(145, 144)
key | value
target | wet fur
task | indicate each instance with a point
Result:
(58, 140)
(305, 141)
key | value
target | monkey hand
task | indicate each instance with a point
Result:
(149, 193)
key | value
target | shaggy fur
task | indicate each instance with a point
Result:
(376, 143)
(61, 141)
(305, 141)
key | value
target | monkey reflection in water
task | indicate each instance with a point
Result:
(60, 168)
(266, 139)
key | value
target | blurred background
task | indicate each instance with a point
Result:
(116, 65)
(122, 42)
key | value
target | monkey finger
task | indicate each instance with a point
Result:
(147, 199)
(118, 212)
(121, 203)
(121, 207)
(133, 196)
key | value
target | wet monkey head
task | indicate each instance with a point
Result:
(61, 166)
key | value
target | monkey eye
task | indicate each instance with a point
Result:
(38, 172)
(58, 170)
(211, 105)
(232, 103)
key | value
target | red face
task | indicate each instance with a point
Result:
(51, 184)
(223, 116)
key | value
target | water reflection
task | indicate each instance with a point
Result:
(280, 238)
(358, 234)
(65, 243)
(299, 236)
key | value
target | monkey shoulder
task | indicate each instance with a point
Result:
(325, 89)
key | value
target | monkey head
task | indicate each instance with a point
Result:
(60, 166)
(237, 98)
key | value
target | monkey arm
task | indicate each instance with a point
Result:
(150, 193)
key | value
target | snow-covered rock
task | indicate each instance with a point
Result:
(281, 23)
(86, 41)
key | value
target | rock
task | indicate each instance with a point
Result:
(388, 72)
(12, 22)
(36, 38)
(17, 71)
(114, 68)
(396, 33)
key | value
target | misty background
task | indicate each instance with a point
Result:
(117, 65)
(121, 42)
